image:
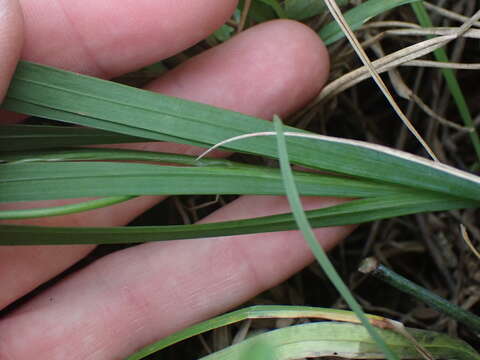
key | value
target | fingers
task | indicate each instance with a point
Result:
(11, 40)
(274, 67)
(147, 292)
(108, 38)
(283, 61)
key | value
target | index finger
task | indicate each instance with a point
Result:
(108, 38)
(11, 40)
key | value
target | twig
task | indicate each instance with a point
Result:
(243, 17)
(373, 267)
(466, 238)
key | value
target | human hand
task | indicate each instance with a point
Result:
(133, 297)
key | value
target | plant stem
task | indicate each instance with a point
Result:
(373, 267)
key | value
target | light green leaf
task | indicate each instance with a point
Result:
(444, 344)
(112, 154)
(224, 33)
(44, 181)
(62, 209)
(259, 350)
(348, 341)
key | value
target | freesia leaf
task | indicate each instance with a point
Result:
(44, 181)
(353, 212)
(31, 137)
(94, 102)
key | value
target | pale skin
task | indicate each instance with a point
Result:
(130, 298)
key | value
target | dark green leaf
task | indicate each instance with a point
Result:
(30, 137)
(353, 212)
(59, 180)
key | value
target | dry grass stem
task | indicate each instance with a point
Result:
(468, 24)
(440, 31)
(405, 92)
(399, 328)
(467, 240)
(449, 14)
(442, 65)
(337, 14)
(243, 17)
(381, 65)
(390, 24)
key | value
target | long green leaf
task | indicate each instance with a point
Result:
(303, 9)
(88, 101)
(62, 209)
(30, 137)
(44, 181)
(113, 154)
(353, 212)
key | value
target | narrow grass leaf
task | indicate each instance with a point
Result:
(31, 181)
(113, 154)
(353, 212)
(78, 118)
(304, 226)
(62, 210)
(34, 137)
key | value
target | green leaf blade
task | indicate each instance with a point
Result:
(130, 111)
(32, 181)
